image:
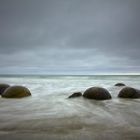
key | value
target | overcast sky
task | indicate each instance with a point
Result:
(69, 36)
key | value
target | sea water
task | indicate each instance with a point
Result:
(49, 115)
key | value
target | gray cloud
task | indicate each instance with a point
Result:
(39, 36)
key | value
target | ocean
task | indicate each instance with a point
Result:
(49, 115)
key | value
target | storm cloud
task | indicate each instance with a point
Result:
(69, 36)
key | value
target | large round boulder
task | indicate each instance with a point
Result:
(97, 93)
(129, 92)
(76, 94)
(3, 87)
(120, 84)
(16, 92)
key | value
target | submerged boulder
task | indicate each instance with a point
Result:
(129, 92)
(120, 84)
(3, 87)
(76, 94)
(16, 92)
(97, 93)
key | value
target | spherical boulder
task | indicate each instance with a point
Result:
(129, 92)
(97, 93)
(120, 84)
(3, 87)
(16, 92)
(76, 94)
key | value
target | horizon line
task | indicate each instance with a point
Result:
(99, 74)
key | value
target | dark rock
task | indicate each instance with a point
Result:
(16, 92)
(97, 93)
(120, 84)
(3, 87)
(129, 92)
(76, 94)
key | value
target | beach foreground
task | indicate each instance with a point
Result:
(49, 114)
